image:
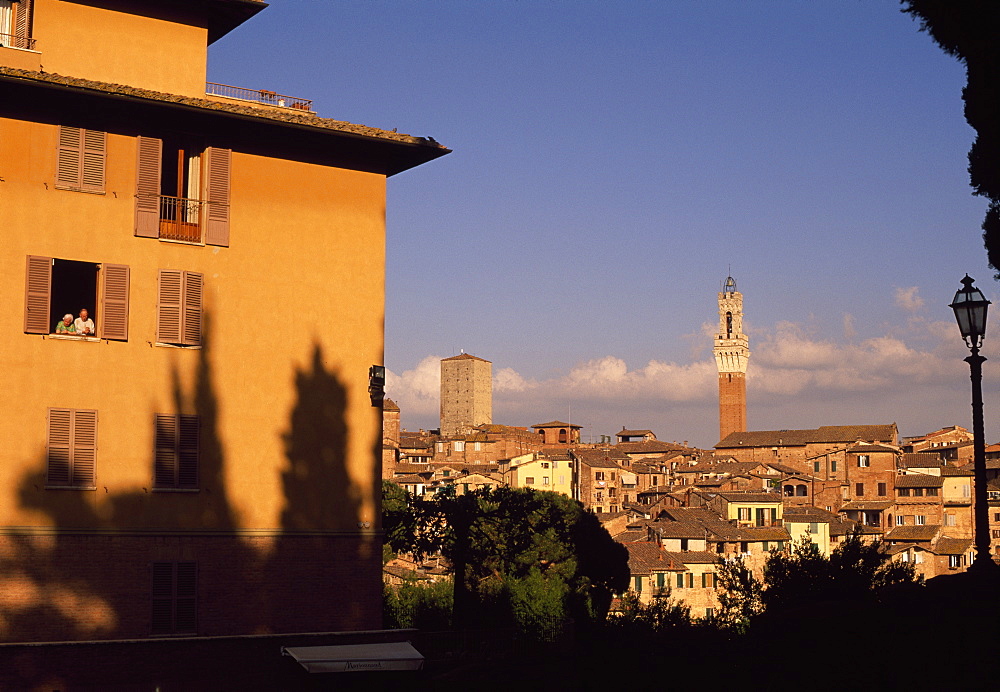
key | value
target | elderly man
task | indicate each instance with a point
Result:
(66, 325)
(84, 325)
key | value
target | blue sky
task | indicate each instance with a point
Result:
(614, 161)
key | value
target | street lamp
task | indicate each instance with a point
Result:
(970, 306)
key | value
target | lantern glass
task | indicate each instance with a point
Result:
(970, 306)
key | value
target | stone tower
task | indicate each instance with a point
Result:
(731, 355)
(466, 394)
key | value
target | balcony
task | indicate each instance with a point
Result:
(181, 219)
(13, 41)
(261, 96)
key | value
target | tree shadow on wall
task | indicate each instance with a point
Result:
(328, 557)
(87, 576)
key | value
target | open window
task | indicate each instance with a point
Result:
(15, 24)
(182, 190)
(55, 287)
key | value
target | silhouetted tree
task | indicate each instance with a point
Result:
(855, 571)
(968, 30)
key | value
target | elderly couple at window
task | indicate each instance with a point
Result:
(81, 326)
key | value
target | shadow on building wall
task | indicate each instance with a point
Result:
(83, 572)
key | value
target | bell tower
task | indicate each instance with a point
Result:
(732, 352)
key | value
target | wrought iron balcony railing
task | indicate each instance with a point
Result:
(180, 219)
(270, 98)
(13, 41)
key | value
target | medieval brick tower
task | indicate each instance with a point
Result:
(731, 355)
(466, 394)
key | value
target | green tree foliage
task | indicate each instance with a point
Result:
(968, 30)
(423, 606)
(855, 571)
(662, 615)
(505, 544)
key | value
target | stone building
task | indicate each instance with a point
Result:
(732, 354)
(466, 394)
(172, 474)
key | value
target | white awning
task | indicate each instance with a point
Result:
(356, 657)
(629, 478)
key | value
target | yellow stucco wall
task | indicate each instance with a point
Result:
(294, 318)
(163, 53)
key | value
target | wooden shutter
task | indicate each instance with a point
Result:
(188, 445)
(114, 303)
(71, 450)
(59, 449)
(165, 456)
(22, 23)
(162, 592)
(168, 307)
(147, 187)
(217, 194)
(94, 145)
(68, 157)
(186, 610)
(175, 596)
(37, 295)
(84, 448)
(192, 309)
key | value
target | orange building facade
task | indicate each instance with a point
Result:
(207, 461)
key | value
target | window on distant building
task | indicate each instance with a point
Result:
(179, 308)
(56, 287)
(954, 561)
(816, 466)
(949, 519)
(743, 514)
(903, 492)
(545, 480)
(918, 557)
(680, 580)
(864, 461)
(932, 492)
(801, 491)
(177, 448)
(458, 445)
(612, 492)
(833, 465)
(859, 489)
(71, 449)
(174, 595)
(881, 489)
(920, 520)
(562, 435)
(637, 584)
(900, 520)
(599, 475)
(530, 480)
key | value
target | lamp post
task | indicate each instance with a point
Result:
(970, 306)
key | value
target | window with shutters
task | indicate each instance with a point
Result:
(71, 449)
(176, 453)
(15, 24)
(80, 159)
(174, 593)
(56, 287)
(182, 191)
(178, 316)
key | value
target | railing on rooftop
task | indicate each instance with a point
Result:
(14, 41)
(270, 98)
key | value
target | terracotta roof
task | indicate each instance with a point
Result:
(919, 480)
(952, 546)
(913, 533)
(866, 505)
(796, 438)
(389, 405)
(751, 497)
(764, 533)
(286, 116)
(696, 557)
(633, 433)
(645, 557)
(919, 460)
(648, 447)
(677, 529)
(630, 536)
(556, 424)
(856, 449)
(949, 471)
(808, 514)
(465, 356)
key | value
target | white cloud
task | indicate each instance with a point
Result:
(417, 392)
(908, 300)
(912, 374)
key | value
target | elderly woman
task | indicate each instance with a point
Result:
(66, 325)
